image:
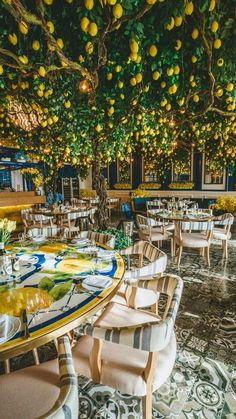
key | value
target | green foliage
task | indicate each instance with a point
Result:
(121, 240)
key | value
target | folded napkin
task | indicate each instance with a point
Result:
(4, 324)
(97, 282)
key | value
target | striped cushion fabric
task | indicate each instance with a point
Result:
(144, 222)
(67, 404)
(152, 336)
(196, 225)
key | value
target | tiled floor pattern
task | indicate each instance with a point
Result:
(203, 382)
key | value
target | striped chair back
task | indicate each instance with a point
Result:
(101, 238)
(145, 222)
(196, 225)
(46, 231)
(157, 259)
(152, 336)
(156, 203)
(27, 215)
(224, 219)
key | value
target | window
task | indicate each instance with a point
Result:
(150, 173)
(213, 175)
(182, 166)
(5, 179)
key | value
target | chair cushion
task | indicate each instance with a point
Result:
(155, 235)
(143, 298)
(220, 234)
(29, 392)
(122, 366)
(194, 240)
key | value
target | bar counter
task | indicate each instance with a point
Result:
(11, 203)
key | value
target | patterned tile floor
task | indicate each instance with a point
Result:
(203, 382)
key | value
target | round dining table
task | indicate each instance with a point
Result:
(54, 273)
(177, 216)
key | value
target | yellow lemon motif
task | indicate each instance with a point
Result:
(117, 11)
(89, 4)
(153, 50)
(12, 38)
(156, 75)
(195, 33)
(217, 43)
(92, 29)
(178, 45)
(35, 45)
(139, 77)
(67, 104)
(50, 26)
(196, 98)
(42, 71)
(60, 43)
(178, 20)
(133, 45)
(212, 5)
(189, 8)
(84, 24)
(229, 87)
(89, 47)
(220, 62)
(214, 26)
(23, 27)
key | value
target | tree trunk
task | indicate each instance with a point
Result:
(101, 189)
(51, 186)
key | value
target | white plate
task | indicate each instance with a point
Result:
(102, 278)
(14, 325)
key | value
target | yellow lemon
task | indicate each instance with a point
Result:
(133, 56)
(181, 102)
(98, 128)
(194, 59)
(195, 33)
(35, 45)
(176, 69)
(42, 71)
(231, 107)
(171, 24)
(60, 43)
(163, 84)
(219, 92)
(133, 45)
(118, 68)
(84, 24)
(169, 71)
(92, 29)
(111, 110)
(168, 107)
(50, 26)
(109, 76)
(117, 11)
(178, 44)
(139, 77)
(151, 1)
(23, 59)
(12, 38)
(40, 93)
(212, 5)
(48, 2)
(189, 8)
(67, 104)
(89, 4)
(23, 27)
(153, 50)
(112, 101)
(178, 20)
(120, 84)
(138, 59)
(89, 47)
(122, 96)
(217, 43)
(214, 26)
(111, 2)
(133, 81)
(146, 88)
(220, 62)
(191, 77)
(155, 75)
(1, 70)
(163, 102)
(195, 98)
(229, 87)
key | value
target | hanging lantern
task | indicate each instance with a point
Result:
(84, 86)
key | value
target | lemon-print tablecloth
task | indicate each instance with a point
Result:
(62, 262)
